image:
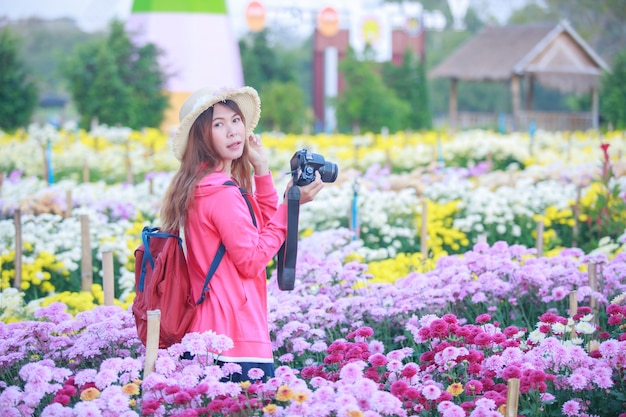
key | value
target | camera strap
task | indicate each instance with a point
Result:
(288, 252)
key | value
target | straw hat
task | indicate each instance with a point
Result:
(246, 98)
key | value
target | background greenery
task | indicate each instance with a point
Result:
(60, 60)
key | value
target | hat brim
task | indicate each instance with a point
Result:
(246, 98)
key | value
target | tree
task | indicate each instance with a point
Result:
(284, 107)
(278, 74)
(409, 82)
(117, 82)
(367, 104)
(263, 62)
(613, 93)
(18, 93)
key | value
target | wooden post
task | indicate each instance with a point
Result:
(85, 171)
(17, 218)
(129, 165)
(152, 341)
(515, 101)
(424, 230)
(45, 176)
(592, 274)
(86, 265)
(540, 238)
(68, 203)
(576, 214)
(107, 278)
(512, 397)
(453, 105)
(573, 308)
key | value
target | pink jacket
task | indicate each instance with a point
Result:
(236, 304)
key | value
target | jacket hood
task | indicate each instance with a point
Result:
(211, 184)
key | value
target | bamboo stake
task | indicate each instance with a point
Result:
(576, 214)
(129, 165)
(68, 203)
(152, 340)
(86, 264)
(592, 273)
(17, 218)
(512, 397)
(424, 230)
(45, 176)
(540, 238)
(85, 171)
(107, 277)
(573, 308)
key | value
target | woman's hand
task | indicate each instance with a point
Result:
(257, 155)
(309, 191)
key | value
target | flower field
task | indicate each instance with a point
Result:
(436, 269)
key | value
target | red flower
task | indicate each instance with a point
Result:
(482, 339)
(549, 318)
(605, 151)
(378, 359)
(439, 328)
(449, 318)
(483, 318)
(398, 388)
(613, 309)
(474, 387)
(365, 331)
(409, 370)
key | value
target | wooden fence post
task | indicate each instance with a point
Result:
(573, 308)
(129, 165)
(539, 238)
(152, 341)
(512, 397)
(107, 278)
(424, 230)
(86, 264)
(85, 171)
(17, 218)
(68, 203)
(592, 274)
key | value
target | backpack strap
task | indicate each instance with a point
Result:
(246, 197)
(216, 261)
(222, 250)
(146, 234)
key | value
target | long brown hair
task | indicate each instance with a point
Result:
(199, 159)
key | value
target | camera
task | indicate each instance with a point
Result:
(305, 163)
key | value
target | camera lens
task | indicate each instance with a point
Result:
(329, 172)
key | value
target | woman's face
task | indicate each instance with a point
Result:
(229, 133)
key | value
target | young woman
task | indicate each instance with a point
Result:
(215, 144)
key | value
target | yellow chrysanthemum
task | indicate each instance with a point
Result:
(300, 397)
(130, 389)
(90, 394)
(455, 389)
(284, 393)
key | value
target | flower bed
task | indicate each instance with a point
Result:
(373, 328)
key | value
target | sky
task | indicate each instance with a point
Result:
(92, 15)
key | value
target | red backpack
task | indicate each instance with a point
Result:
(162, 282)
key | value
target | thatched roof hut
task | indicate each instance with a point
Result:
(553, 55)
